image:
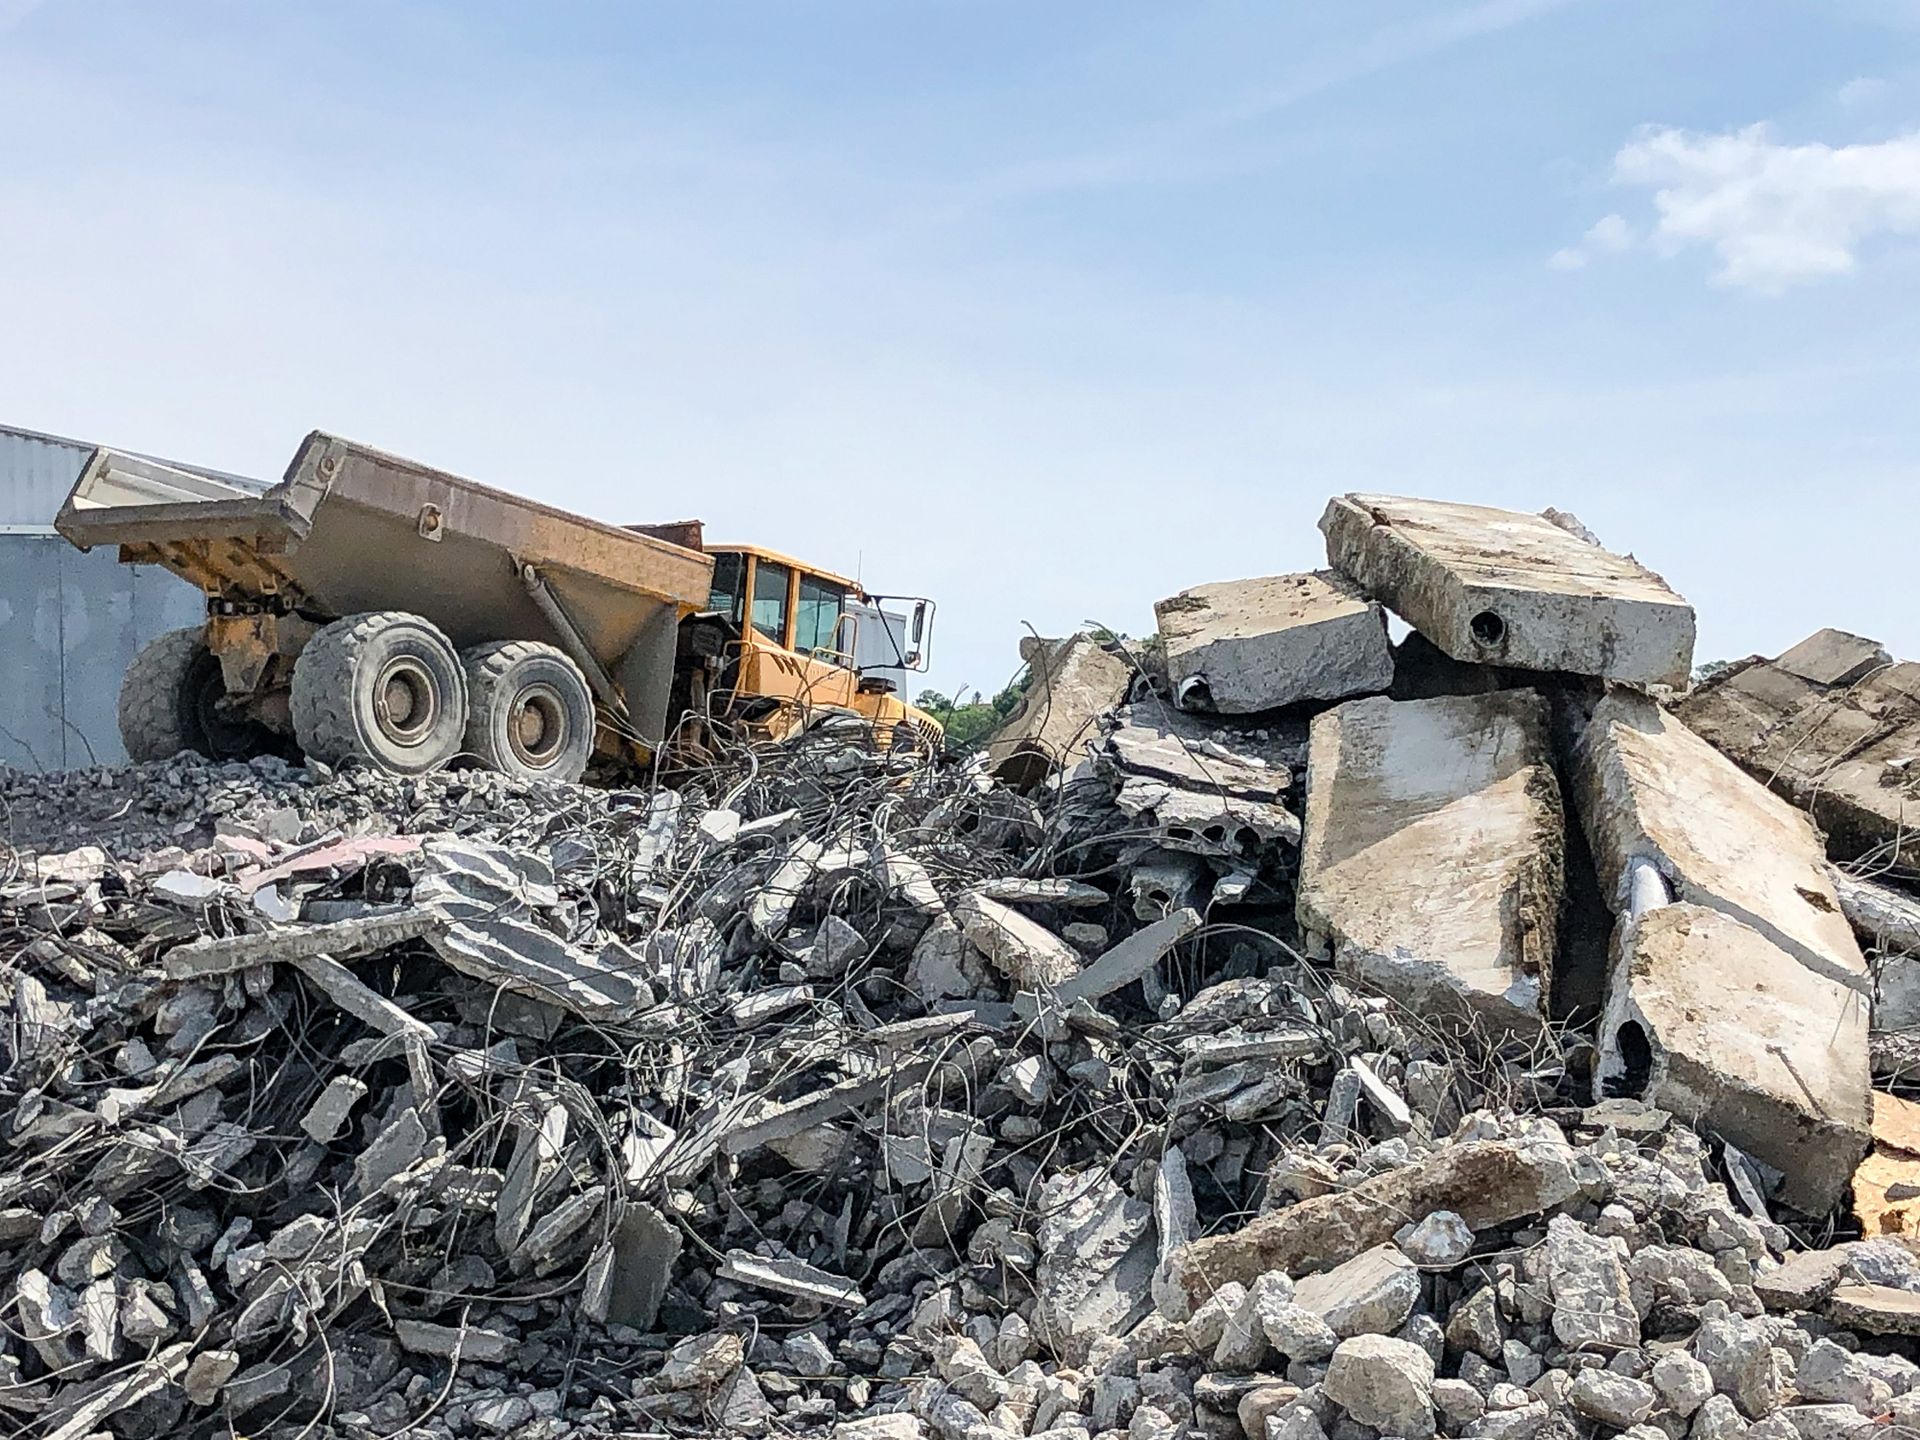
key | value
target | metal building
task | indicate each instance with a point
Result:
(69, 622)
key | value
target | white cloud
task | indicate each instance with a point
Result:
(1774, 215)
(1860, 91)
(1608, 235)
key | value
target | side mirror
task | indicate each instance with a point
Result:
(917, 636)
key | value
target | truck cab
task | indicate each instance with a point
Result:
(799, 630)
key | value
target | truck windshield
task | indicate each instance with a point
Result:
(770, 600)
(729, 570)
(817, 626)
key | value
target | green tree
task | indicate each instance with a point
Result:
(967, 722)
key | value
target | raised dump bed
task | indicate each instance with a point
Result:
(371, 607)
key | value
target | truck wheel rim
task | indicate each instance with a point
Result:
(226, 738)
(537, 726)
(406, 701)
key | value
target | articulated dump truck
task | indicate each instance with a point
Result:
(369, 609)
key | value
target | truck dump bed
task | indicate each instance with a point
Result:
(351, 529)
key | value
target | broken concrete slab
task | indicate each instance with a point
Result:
(1431, 867)
(1242, 646)
(1651, 789)
(1120, 966)
(1152, 739)
(774, 1120)
(1834, 657)
(469, 1342)
(788, 1276)
(1485, 1182)
(1498, 587)
(1097, 1259)
(70, 1421)
(1887, 921)
(646, 1246)
(1073, 682)
(1802, 1280)
(1707, 1018)
(1875, 1309)
(1211, 794)
(327, 1116)
(1744, 1003)
(1845, 748)
(1223, 826)
(1019, 890)
(1019, 947)
(340, 940)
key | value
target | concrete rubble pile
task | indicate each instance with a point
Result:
(1278, 1031)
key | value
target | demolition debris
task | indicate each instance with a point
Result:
(1278, 1033)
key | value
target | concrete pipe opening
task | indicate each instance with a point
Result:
(1629, 1081)
(1488, 629)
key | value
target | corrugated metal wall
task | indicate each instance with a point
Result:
(36, 472)
(69, 623)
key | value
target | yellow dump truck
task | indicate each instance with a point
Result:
(368, 608)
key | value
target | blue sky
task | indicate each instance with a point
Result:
(1045, 310)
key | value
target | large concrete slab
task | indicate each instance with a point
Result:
(1432, 862)
(1499, 587)
(1834, 725)
(1707, 1019)
(1745, 1003)
(1242, 646)
(1074, 682)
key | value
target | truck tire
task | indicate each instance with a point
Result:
(385, 688)
(169, 704)
(529, 710)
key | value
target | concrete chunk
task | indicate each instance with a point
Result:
(1833, 657)
(1371, 1294)
(1498, 587)
(1745, 1003)
(471, 1342)
(1485, 1182)
(327, 1116)
(791, 1277)
(1432, 862)
(1876, 1309)
(1023, 950)
(1833, 725)
(341, 939)
(1592, 1305)
(207, 1375)
(1385, 1383)
(1074, 682)
(645, 1249)
(392, 1151)
(1097, 1258)
(1242, 646)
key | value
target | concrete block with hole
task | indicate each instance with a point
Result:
(1499, 587)
(1433, 857)
(1737, 994)
(1242, 646)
